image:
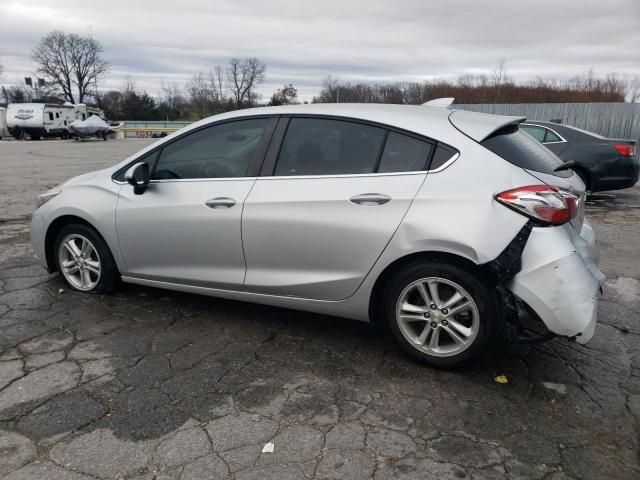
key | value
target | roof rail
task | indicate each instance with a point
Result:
(439, 102)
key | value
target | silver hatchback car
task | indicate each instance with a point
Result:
(438, 224)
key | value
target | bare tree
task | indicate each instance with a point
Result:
(69, 60)
(633, 89)
(218, 81)
(88, 64)
(499, 78)
(172, 96)
(287, 95)
(243, 76)
(202, 95)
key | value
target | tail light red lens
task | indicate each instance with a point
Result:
(626, 150)
(544, 203)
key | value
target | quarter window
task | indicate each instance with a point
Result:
(441, 156)
(219, 151)
(551, 137)
(314, 146)
(404, 154)
(536, 132)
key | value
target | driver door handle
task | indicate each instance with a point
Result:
(220, 202)
(370, 199)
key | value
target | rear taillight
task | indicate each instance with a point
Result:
(544, 203)
(625, 150)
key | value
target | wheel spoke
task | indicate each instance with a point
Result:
(411, 308)
(93, 264)
(92, 269)
(454, 336)
(423, 293)
(424, 334)
(411, 318)
(72, 269)
(464, 331)
(68, 263)
(72, 247)
(455, 298)
(459, 308)
(435, 339)
(86, 247)
(433, 291)
(85, 278)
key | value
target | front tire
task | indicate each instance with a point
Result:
(84, 260)
(440, 314)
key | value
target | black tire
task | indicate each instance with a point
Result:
(478, 289)
(109, 275)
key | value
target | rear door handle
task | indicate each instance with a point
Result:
(370, 199)
(220, 202)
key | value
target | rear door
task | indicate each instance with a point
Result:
(334, 194)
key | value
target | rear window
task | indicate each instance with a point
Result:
(520, 149)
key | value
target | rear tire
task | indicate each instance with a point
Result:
(440, 314)
(84, 260)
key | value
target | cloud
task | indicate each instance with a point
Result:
(304, 41)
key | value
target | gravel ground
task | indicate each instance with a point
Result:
(149, 384)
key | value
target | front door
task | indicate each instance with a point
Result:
(338, 193)
(186, 227)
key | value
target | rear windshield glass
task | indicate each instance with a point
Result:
(524, 151)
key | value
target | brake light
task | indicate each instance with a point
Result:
(544, 203)
(625, 150)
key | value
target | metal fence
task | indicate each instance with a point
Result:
(613, 120)
(147, 127)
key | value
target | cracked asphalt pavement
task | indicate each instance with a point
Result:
(150, 384)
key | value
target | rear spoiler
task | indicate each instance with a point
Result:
(480, 126)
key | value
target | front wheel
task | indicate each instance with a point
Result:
(440, 314)
(84, 260)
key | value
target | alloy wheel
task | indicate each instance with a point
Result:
(79, 262)
(437, 316)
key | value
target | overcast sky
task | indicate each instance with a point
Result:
(303, 41)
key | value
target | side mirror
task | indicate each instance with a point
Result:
(138, 176)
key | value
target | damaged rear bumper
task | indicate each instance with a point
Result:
(560, 280)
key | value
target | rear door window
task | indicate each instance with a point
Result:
(316, 146)
(404, 154)
(520, 149)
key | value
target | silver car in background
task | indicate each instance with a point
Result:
(438, 224)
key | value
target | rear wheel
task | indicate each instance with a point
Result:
(440, 314)
(84, 260)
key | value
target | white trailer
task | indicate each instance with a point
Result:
(84, 111)
(4, 132)
(38, 120)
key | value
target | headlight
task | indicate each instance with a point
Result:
(45, 197)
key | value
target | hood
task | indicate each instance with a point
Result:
(85, 177)
(479, 126)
